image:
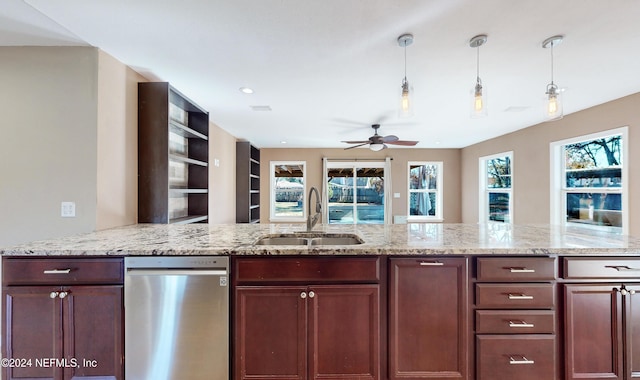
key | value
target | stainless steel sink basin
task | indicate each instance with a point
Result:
(281, 240)
(336, 240)
(310, 239)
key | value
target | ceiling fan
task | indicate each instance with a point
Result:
(377, 142)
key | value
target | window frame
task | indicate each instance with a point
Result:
(558, 189)
(438, 217)
(355, 165)
(272, 192)
(484, 191)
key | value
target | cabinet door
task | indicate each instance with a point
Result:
(428, 337)
(32, 332)
(632, 324)
(93, 333)
(270, 333)
(344, 332)
(593, 332)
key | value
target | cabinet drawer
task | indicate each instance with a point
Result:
(515, 296)
(516, 357)
(515, 322)
(605, 268)
(65, 271)
(516, 268)
(308, 269)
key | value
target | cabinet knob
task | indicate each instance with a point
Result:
(53, 294)
(303, 295)
(312, 294)
(63, 294)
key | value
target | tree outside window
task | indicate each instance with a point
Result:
(496, 203)
(593, 181)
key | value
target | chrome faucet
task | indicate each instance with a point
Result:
(313, 219)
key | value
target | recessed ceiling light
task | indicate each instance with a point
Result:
(246, 90)
(283, 142)
(261, 108)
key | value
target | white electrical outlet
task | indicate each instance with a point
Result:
(216, 162)
(396, 195)
(68, 209)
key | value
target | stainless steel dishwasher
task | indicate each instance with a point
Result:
(176, 318)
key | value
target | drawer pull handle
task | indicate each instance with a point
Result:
(520, 324)
(621, 268)
(431, 263)
(522, 270)
(523, 360)
(57, 271)
(520, 297)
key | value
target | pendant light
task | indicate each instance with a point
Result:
(406, 95)
(478, 93)
(553, 100)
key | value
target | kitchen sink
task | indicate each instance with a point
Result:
(310, 239)
(282, 240)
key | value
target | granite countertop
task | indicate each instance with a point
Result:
(402, 239)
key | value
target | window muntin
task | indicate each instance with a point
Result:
(496, 192)
(593, 181)
(424, 191)
(288, 189)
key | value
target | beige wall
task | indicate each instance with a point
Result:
(117, 153)
(222, 178)
(399, 172)
(531, 157)
(48, 145)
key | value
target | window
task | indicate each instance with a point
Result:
(496, 188)
(589, 182)
(288, 189)
(355, 192)
(425, 191)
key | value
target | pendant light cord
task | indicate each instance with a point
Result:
(405, 61)
(478, 64)
(552, 62)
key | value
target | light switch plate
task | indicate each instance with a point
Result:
(396, 195)
(68, 209)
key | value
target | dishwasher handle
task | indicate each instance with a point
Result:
(175, 272)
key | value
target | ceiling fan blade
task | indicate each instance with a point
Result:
(355, 146)
(389, 139)
(357, 142)
(403, 142)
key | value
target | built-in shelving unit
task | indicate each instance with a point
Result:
(247, 183)
(173, 156)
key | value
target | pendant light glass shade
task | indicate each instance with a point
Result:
(553, 109)
(405, 108)
(478, 92)
(406, 100)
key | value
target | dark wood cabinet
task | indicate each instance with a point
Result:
(173, 156)
(297, 325)
(247, 183)
(428, 318)
(64, 330)
(515, 318)
(602, 318)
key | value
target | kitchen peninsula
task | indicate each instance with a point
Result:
(437, 301)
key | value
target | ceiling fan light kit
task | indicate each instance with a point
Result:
(406, 93)
(478, 93)
(553, 101)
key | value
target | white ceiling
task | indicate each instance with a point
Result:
(328, 69)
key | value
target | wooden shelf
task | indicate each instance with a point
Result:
(189, 219)
(185, 131)
(247, 183)
(160, 200)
